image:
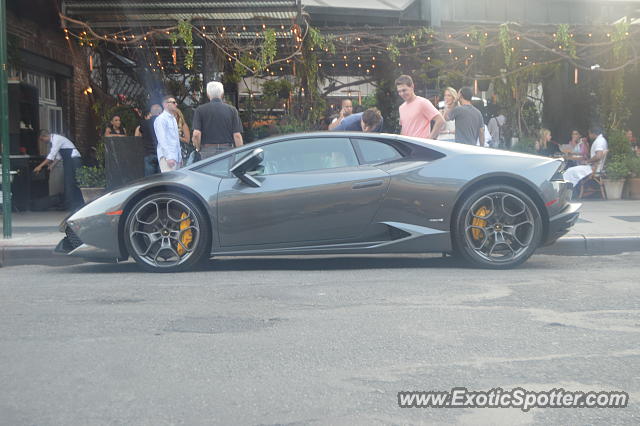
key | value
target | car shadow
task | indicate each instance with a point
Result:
(303, 263)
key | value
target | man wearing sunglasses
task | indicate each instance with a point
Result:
(166, 127)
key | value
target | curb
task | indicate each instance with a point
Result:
(34, 255)
(581, 245)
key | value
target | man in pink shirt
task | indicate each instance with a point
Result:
(416, 112)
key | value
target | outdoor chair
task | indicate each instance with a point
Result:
(593, 183)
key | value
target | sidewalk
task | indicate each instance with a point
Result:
(604, 227)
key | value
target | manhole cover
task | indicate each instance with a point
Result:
(217, 325)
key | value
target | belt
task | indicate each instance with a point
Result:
(216, 144)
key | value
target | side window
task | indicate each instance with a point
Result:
(217, 168)
(301, 155)
(373, 151)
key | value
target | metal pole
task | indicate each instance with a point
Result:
(4, 124)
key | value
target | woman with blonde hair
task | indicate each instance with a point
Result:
(183, 128)
(542, 144)
(448, 132)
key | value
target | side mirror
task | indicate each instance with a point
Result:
(242, 168)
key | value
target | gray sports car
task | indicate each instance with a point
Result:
(332, 193)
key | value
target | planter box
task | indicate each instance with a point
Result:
(614, 188)
(634, 188)
(90, 194)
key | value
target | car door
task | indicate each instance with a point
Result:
(313, 190)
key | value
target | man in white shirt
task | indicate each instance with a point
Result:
(599, 149)
(71, 161)
(166, 128)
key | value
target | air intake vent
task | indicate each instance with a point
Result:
(72, 239)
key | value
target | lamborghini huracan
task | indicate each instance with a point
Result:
(332, 193)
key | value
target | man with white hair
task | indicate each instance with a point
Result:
(216, 125)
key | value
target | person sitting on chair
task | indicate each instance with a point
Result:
(599, 149)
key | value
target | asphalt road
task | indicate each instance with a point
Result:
(314, 340)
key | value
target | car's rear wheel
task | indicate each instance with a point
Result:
(167, 233)
(497, 227)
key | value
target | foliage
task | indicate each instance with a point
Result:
(367, 102)
(480, 37)
(185, 86)
(91, 177)
(292, 125)
(269, 48)
(615, 111)
(619, 146)
(530, 119)
(505, 42)
(317, 40)
(617, 168)
(564, 40)
(410, 39)
(185, 34)
(275, 93)
(526, 144)
(633, 163)
(104, 113)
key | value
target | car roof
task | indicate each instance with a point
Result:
(444, 147)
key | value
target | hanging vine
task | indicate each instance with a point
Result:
(505, 42)
(184, 33)
(564, 39)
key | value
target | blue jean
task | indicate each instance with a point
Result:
(151, 166)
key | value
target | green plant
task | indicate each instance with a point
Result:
(633, 163)
(91, 177)
(618, 144)
(527, 145)
(617, 168)
(185, 34)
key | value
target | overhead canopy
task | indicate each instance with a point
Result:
(117, 14)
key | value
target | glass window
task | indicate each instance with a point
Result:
(376, 152)
(217, 168)
(301, 155)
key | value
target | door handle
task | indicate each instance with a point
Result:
(368, 184)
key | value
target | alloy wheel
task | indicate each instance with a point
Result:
(164, 232)
(499, 227)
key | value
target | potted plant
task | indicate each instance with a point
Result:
(633, 182)
(92, 181)
(616, 172)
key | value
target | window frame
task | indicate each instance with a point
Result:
(361, 160)
(346, 138)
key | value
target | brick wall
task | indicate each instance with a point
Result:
(50, 43)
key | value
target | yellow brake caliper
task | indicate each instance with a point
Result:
(187, 236)
(478, 221)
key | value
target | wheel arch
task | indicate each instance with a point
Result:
(516, 181)
(172, 188)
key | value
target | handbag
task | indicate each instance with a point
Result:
(189, 154)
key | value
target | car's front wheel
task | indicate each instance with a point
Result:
(497, 227)
(167, 232)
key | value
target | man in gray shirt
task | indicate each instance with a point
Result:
(469, 122)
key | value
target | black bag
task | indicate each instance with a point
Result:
(189, 154)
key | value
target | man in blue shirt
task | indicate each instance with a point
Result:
(367, 121)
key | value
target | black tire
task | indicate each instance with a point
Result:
(500, 236)
(166, 240)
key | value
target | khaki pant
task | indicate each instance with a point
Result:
(165, 167)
